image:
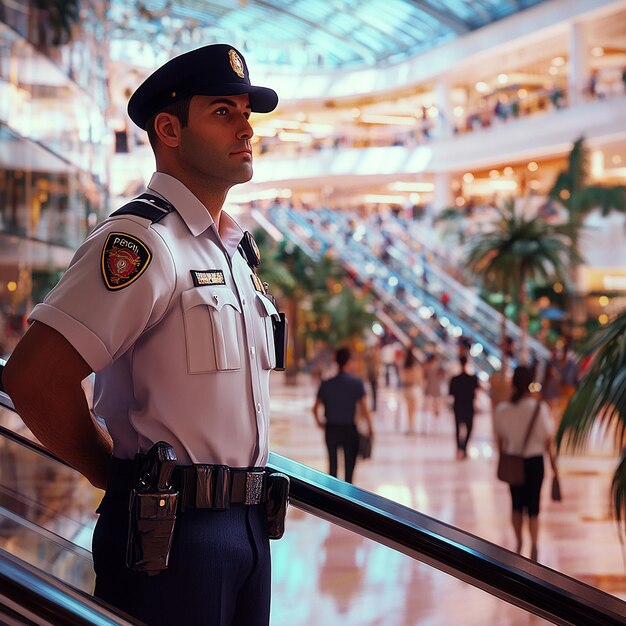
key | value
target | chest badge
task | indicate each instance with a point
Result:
(124, 259)
(208, 277)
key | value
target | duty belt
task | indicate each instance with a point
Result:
(213, 487)
(218, 486)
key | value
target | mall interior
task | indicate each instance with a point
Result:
(408, 138)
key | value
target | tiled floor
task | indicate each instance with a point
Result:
(325, 575)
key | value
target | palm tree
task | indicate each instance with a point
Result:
(600, 398)
(571, 189)
(513, 250)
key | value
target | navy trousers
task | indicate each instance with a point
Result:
(343, 436)
(218, 574)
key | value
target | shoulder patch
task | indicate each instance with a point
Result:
(124, 259)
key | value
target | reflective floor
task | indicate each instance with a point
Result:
(324, 575)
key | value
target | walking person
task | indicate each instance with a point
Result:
(434, 373)
(373, 372)
(342, 396)
(523, 426)
(463, 389)
(163, 303)
(410, 383)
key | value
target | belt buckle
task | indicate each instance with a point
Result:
(254, 487)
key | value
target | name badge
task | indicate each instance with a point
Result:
(207, 277)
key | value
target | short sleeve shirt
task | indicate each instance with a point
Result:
(511, 423)
(183, 352)
(340, 395)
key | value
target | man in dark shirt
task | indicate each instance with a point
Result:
(463, 388)
(340, 397)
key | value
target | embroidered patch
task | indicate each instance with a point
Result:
(258, 285)
(124, 259)
(208, 277)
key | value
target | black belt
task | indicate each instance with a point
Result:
(200, 486)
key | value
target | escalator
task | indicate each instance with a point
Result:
(45, 563)
(408, 281)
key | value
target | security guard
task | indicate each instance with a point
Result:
(163, 302)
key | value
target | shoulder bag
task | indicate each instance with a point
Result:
(511, 466)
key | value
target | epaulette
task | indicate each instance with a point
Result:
(147, 206)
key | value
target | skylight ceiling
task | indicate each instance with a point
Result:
(325, 34)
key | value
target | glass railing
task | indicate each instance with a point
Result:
(366, 544)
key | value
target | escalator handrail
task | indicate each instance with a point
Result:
(538, 589)
(30, 592)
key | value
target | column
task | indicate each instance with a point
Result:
(443, 103)
(442, 197)
(578, 74)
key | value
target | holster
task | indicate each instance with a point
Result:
(152, 510)
(276, 504)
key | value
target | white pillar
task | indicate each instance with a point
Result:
(443, 193)
(443, 103)
(578, 74)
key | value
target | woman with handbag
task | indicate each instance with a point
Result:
(524, 428)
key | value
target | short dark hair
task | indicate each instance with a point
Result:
(342, 356)
(179, 109)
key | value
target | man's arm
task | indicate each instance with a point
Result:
(365, 412)
(43, 378)
(316, 409)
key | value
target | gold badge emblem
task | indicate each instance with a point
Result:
(236, 63)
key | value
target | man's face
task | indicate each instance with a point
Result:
(215, 144)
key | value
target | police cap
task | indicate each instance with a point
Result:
(214, 70)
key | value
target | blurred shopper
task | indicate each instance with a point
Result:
(373, 372)
(410, 384)
(551, 387)
(463, 389)
(340, 396)
(512, 421)
(388, 356)
(434, 375)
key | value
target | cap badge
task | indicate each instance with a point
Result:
(236, 63)
(124, 259)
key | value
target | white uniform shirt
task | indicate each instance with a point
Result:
(511, 422)
(174, 361)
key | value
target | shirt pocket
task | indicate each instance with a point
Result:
(212, 318)
(266, 337)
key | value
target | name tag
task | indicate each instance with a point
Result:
(208, 277)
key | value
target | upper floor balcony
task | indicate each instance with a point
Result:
(533, 137)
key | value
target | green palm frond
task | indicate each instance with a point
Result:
(600, 402)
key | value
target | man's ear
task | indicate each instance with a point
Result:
(167, 128)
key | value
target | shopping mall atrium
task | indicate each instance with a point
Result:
(445, 177)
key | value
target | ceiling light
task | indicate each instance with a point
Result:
(468, 177)
(458, 111)
(532, 166)
(598, 51)
(553, 70)
(481, 87)
(382, 199)
(395, 120)
(558, 61)
(508, 171)
(412, 187)
(503, 79)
